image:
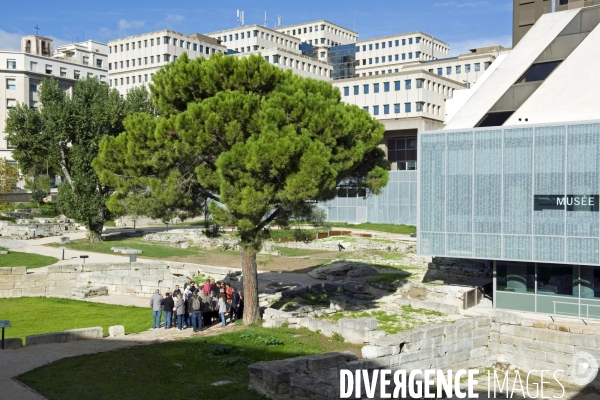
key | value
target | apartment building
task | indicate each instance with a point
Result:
(299, 64)
(390, 52)
(322, 35)
(21, 73)
(527, 12)
(246, 39)
(133, 60)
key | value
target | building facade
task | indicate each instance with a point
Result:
(527, 12)
(251, 38)
(133, 60)
(22, 72)
(526, 197)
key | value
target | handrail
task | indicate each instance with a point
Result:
(587, 310)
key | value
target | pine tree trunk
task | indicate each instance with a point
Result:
(94, 232)
(250, 272)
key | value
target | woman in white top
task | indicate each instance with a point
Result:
(222, 308)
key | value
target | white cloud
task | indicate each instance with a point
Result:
(10, 41)
(124, 24)
(462, 47)
(171, 20)
(469, 4)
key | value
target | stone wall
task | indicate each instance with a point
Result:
(479, 342)
(141, 279)
(28, 229)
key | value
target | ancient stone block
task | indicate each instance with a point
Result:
(13, 343)
(274, 322)
(57, 337)
(84, 333)
(116, 330)
(324, 361)
(505, 317)
(366, 323)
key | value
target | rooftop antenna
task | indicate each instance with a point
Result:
(553, 6)
(37, 30)
(240, 17)
(265, 19)
(279, 21)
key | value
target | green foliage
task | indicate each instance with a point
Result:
(337, 337)
(266, 340)
(49, 210)
(9, 176)
(40, 187)
(62, 136)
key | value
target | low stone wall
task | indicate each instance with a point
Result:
(444, 308)
(141, 279)
(33, 229)
(469, 343)
(71, 335)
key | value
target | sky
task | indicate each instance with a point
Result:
(464, 24)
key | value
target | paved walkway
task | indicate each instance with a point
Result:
(14, 362)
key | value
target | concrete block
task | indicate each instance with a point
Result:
(95, 332)
(367, 323)
(54, 269)
(10, 285)
(57, 337)
(371, 352)
(5, 270)
(274, 323)
(375, 335)
(13, 343)
(505, 317)
(357, 336)
(116, 330)
(19, 270)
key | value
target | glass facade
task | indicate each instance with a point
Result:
(343, 61)
(514, 193)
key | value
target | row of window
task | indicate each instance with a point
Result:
(263, 35)
(324, 27)
(420, 84)
(300, 65)
(130, 80)
(48, 69)
(390, 58)
(458, 68)
(147, 60)
(403, 151)
(375, 46)
(420, 107)
(11, 103)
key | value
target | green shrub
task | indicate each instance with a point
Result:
(337, 337)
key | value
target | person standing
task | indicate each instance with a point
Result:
(207, 309)
(235, 301)
(176, 292)
(214, 289)
(240, 308)
(197, 306)
(186, 284)
(223, 308)
(206, 288)
(168, 306)
(180, 309)
(156, 304)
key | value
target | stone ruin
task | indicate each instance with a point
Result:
(502, 339)
(38, 227)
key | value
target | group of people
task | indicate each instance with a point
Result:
(197, 306)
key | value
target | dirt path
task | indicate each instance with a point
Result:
(18, 361)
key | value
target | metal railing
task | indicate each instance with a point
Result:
(579, 313)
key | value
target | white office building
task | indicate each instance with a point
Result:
(251, 38)
(21, 73)
(133, 60)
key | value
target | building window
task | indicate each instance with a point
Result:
(386, 109)
(410, 56)
(127, 63)
(370, 61)
(375, 110)
(33, 87)
(403, 42)
(440, 71)
(356, 90)
(33, 66)
(404, 56)
(370, 47)
(458, 69)
(376, 88)
(386, 86)
(127, 80)
(410, 41)
(366, 108)
(10, 104)
(48, 69)
(417, 39)
(419, 106)
(145, 77)
(365, 89)
(448, 70)
(403, 151)
(420, 83)
(408, 84)
(167, 57)
(275, 59)
(166, 40)
(520, 278)
(63, 72)
(467, 67)
(76, 75)
(397, 108)
(11, 84)
(407, 107)
(397, 85)
(347, 91)
(487, 64)
(151, 59)
(376, 46)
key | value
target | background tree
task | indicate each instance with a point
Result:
(63, 136)
(258, 142)
(40, 186)
(9, 177)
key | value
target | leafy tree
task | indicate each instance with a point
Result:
(259, 143)
(9, 176)
(63, 136)
(39, 186)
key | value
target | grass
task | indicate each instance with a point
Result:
(36, 315)
(3, 218)
(18, 259)
(388, 228)
(292, 233)
(150, 372)
(160, 251)
(292, 252)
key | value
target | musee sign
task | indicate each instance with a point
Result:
(570, 202)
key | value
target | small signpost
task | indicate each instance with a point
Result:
(4, 324)
(84, 257)
(63, 251)
(132, 258)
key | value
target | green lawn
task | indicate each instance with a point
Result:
(18, 259)
(149, 372)
(293, 252)
(389, 228)
(149, 250)
(35, 315)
